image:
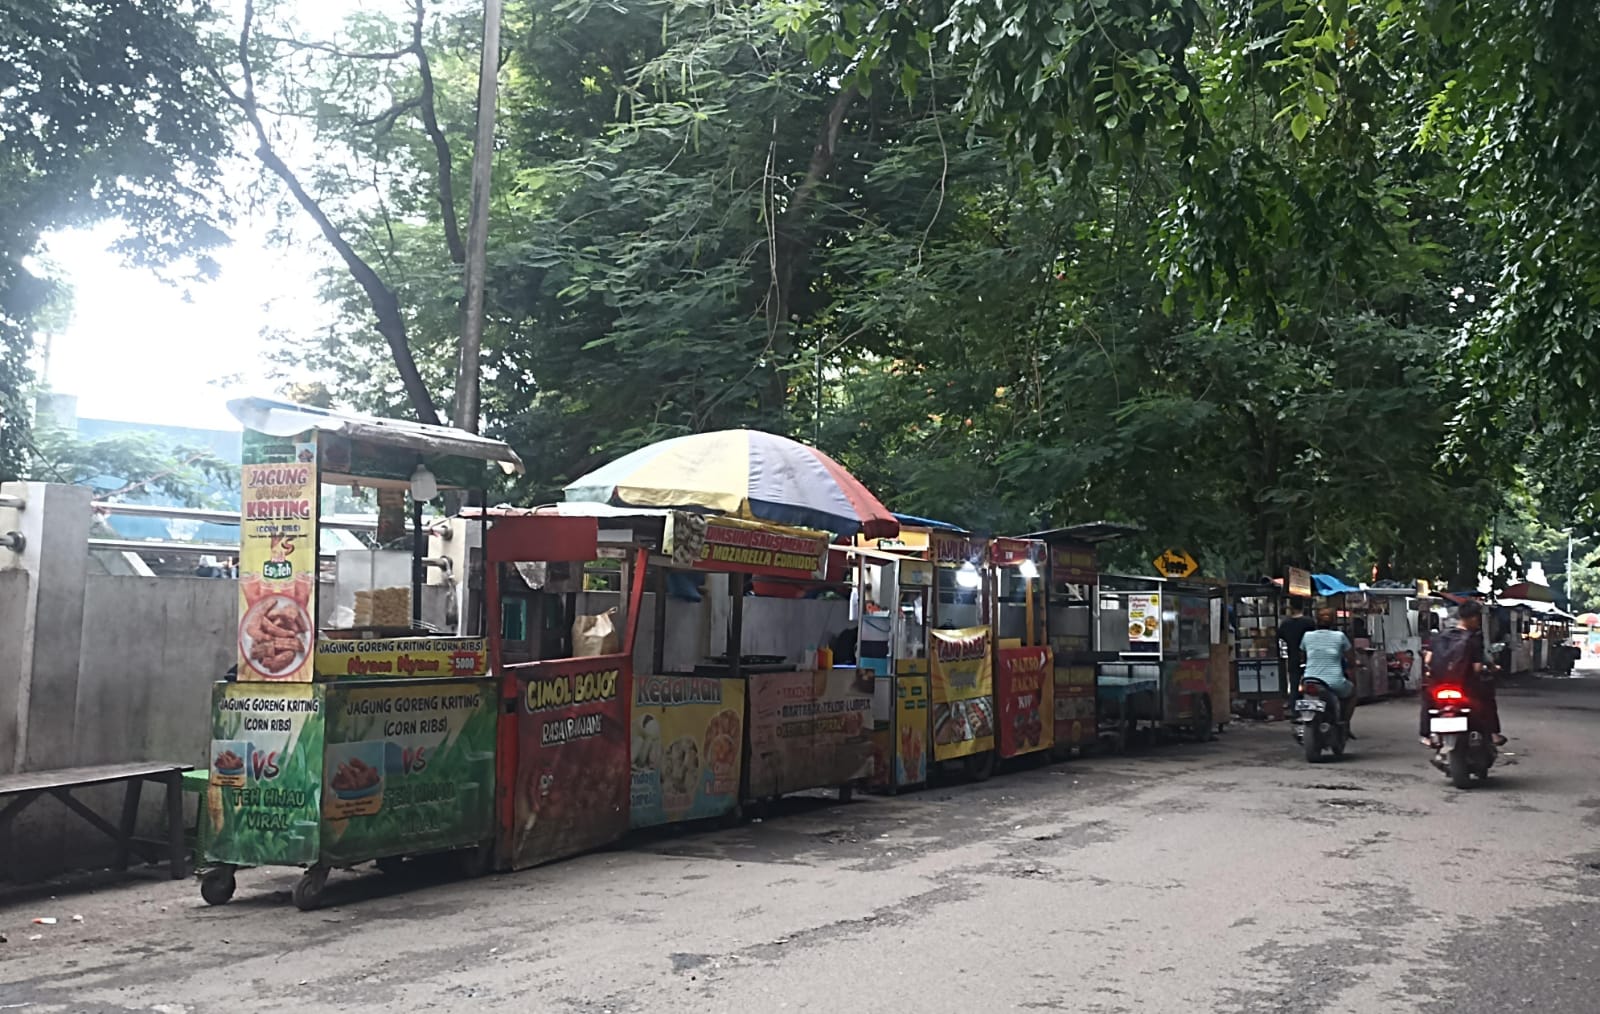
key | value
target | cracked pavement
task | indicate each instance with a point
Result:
(1227, 877)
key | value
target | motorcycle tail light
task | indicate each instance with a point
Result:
(1448, 694)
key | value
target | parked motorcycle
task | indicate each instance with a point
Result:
(1464, 753)
(1319, 720)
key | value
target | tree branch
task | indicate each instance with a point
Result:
(386, 119)
(344, 54)
(441, 147)
(385, 305)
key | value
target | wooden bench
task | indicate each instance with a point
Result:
(23, 789)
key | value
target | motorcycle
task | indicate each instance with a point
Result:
(1399, 671)
(1464, 754)
(1319, 720)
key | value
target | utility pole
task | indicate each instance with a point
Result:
(1569, 570)
(478, 222)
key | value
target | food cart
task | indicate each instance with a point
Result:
(961, 659)
(1072, 577)
(1259, 670)
(894, 581)
(938, 707)
(1395, 627)
(1536, 618)
(1354, 615)
(707, 698)
(1162, 634)
(342, 744)
(1024, 670)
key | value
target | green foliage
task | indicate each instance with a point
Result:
(106, 113)
(1228, 270)
(131, 467)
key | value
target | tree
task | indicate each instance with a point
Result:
(1235, 329)
(106, 114)
(133, 467)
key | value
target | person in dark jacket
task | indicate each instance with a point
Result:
(1290, 633)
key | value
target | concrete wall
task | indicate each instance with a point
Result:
(97, 670)
(152, 647)
(14, 595)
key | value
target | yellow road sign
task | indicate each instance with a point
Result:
(1175, 563)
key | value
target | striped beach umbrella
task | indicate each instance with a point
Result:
(741, 473)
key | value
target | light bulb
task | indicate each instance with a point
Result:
(967, 576)
(1028, 569)
(423, 485)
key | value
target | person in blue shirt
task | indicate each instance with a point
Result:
(1328, 654)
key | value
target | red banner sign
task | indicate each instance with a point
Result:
(572, 775)
(1010, 552)
(1025, 690)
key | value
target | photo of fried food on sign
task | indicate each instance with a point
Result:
(276, 635)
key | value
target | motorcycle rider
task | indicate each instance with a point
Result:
(1478, 688)
(1329, 654)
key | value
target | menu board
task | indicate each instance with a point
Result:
(1144, 622)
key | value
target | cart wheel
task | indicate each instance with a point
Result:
(218, 885)
(846, 793)
(980, 766)
(390, 865)
(307, 893)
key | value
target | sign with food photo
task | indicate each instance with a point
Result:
(963, 693)
(572, 779)
(1025, 689)
(408, 768)
(810, 729)
(686, 736)
(277, 558)
(1076, 721)
(911, 730)
(1144, 622)
(262, 799)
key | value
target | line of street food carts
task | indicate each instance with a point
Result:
(508, 687)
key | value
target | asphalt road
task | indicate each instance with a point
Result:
(1229, 877)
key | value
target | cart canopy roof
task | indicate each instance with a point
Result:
(1546, 610)
(286, 419)
(1327, 584)
(912, 521)
(1092, 532)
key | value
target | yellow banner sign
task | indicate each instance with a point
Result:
(278, 562)
(419, 657)
(963, 692)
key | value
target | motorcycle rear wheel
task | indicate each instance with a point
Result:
(1460, 773)
(1312, 741)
